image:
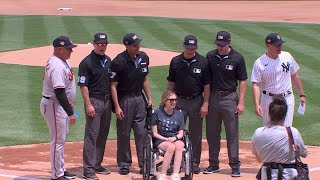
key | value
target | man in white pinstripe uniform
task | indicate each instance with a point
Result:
(272, 74)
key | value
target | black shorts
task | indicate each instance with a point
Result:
(157, 142)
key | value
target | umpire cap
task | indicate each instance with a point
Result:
(190, 42)
(131, 39)
(63, 41)
(100, 38)
(222, 38)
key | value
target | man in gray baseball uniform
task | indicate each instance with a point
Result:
(59, 92)
(272, 74)
(94, 84)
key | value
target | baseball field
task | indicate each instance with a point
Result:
(27, 29)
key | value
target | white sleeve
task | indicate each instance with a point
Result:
(256, 72)
(57, 77)
(294, 65)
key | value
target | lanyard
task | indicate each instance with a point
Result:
(103, 62)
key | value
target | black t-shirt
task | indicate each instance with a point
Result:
(94, 72)
(129, 73)
(226, 70)
(189, 75)
(168, 125)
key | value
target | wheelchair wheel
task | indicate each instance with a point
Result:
(147, 155)
(188, 160)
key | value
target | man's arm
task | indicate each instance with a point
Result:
(205, 104)
(298, 85)
(114, 94)
(64, 102)
(170, 86)
(146, 89)
(256, 98)
(242, 94)
(85, 96)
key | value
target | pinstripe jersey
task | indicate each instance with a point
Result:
(275, 74)
(58, 74)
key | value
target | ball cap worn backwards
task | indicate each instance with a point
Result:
(274, 39)
(131, 39)
(63, 41)
(100, 38)
(222, 38)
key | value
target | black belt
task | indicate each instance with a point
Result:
(100, 96)
(276, 165)
(282, 94)
(223, 92)
(46, 97)
(189, 97)
(135, 94)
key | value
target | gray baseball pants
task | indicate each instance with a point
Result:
(134, 110)
(191, 110)
(223, 108)
(96, 134)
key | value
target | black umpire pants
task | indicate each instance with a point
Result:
(96, 134)
(191, 109)
(134, 110)
(223, 108)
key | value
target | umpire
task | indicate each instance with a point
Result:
(129, 78)
(94, 84)
(227, 67)
(189, 78)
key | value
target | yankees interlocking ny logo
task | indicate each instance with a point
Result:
(285, 68)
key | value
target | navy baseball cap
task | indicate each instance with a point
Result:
(222, 38)
(131, 39)
(100, 38)
(190, 42)
(274, 39)
(63, 41)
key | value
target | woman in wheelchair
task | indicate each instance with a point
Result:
(167, 127)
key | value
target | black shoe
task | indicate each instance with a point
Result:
(69, 175)
(235, 172)
(170, 170)
(195, 169)
(90, 177)
(61, 178)
(211, 169)
(124, 170)
(102, 170)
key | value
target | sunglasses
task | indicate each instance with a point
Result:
(221, 45)
(100, 45)
(172, 100)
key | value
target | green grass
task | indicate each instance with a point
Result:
(21, 122)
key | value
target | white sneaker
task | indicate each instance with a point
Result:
(162, 177)
(175, 177)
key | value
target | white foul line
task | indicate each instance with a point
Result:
(18, 177)
(314, 169)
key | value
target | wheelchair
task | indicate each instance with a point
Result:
(151, 154)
